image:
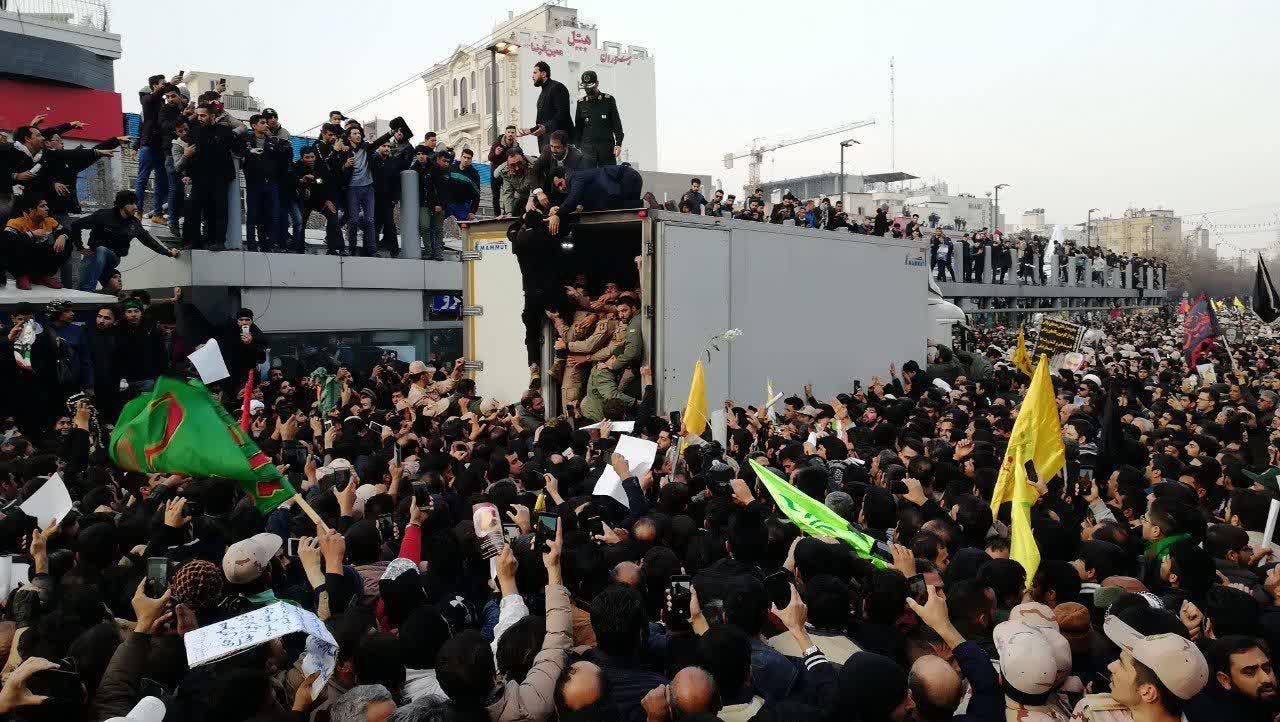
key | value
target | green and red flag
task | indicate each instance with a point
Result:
(179, 427)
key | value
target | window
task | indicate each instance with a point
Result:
(473, 91)
(431, 103)
(462, 105)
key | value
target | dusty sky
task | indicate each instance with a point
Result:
(1075, 105)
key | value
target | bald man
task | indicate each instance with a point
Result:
(692, 690)
(580, 686)
(935, 686)
(627, 573)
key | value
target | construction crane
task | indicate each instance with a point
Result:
(756, 154)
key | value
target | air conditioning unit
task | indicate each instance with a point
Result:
(636, 51)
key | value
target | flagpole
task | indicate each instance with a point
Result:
(306, 508)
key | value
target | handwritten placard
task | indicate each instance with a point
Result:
(1055, 337)
(221, 640)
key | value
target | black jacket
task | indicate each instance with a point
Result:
(216, 147)
(107, 228)
(547, 163)
(312, 186)
(139, 352)
(267, 164)
(553, 108)
(151, 132)
(604, 188)
(64, 166)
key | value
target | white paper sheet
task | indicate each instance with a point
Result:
(619, 426)
(209, 362)
(216, 641)
(51, 501)
(1270, 528)
(639, 454)
(720, 426)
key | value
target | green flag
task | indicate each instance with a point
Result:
(178, 427)
(813, 516)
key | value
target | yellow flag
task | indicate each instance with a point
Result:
(1036, 438)
(1220, 305)
(695, 410)
(1020, 358)
(1236, 302)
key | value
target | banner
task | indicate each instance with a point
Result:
(1201, 326)
(1055, 337)
(1265, 301)
(178, 427)
(1036, 442)
(814, 517)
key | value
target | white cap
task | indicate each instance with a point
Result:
(1177, 662)
(245, 560)
(256, 406)
(148, 709)
(1025, 659)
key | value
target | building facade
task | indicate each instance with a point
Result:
(468, 94)
(1140, 230)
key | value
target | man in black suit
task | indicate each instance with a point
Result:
(553, 107)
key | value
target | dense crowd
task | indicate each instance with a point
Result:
(1155, 595)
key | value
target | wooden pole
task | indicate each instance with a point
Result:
(302, 504)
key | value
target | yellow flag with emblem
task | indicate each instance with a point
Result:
(1036, 439)
(1020, 358)
(1237, 303)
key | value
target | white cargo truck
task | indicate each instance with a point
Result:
(818, 307)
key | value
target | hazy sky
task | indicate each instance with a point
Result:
(1075, 105)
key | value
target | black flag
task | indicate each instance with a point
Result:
(1111, 442)
(1265, 301)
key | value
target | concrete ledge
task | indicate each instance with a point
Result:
(1013, 290)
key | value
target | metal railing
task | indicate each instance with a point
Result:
(231, 101)
(95, 14)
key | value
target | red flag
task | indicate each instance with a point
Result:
(1184, 307)
(248, 398)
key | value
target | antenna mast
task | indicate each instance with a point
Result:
(893, 128)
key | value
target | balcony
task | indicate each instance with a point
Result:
(245, 103)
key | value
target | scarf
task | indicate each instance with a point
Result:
(1160, 549)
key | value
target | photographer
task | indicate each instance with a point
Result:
(314, 187)
(244, 347)
(264, 158)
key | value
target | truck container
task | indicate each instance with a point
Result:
(814, 306)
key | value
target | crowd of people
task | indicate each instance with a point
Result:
(1155, 597)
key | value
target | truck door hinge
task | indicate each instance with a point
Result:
(472, 311)
(471, 255)
(473, 366)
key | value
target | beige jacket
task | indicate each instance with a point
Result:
(533, 700)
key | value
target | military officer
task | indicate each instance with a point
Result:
(597, 125)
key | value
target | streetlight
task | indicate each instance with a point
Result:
(1088, 226)
(844, 144)
(502, 47)
(995, 219)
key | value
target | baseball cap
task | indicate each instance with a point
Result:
(1041, 617)
(1113, 588)
(148, 709)
(248, 558)
(1177, 662)
(1025, 660)
(417, 367)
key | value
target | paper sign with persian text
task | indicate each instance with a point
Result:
(1057, 337)
(217, 641)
